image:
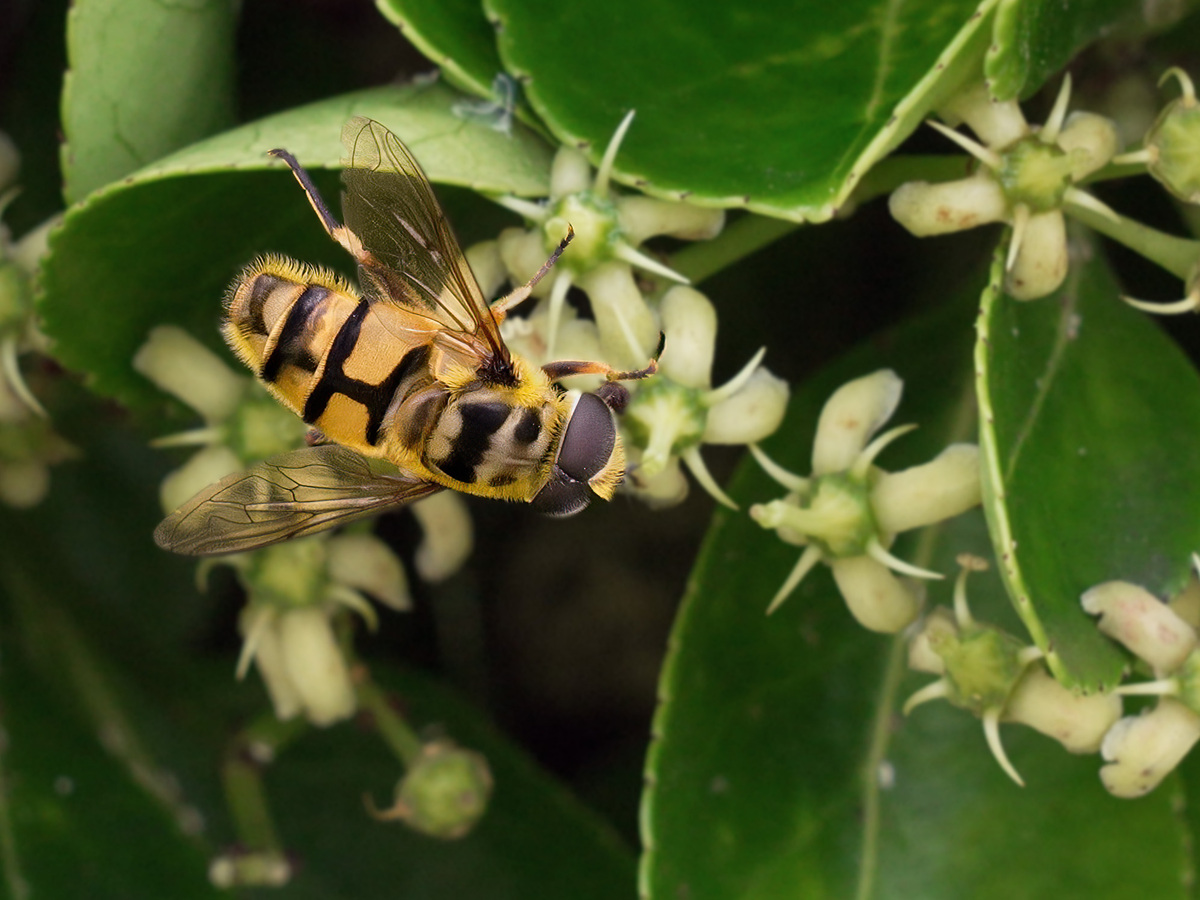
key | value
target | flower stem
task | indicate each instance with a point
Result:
(395, 732)
(1177, 255)
(250, 751)
(740, 239)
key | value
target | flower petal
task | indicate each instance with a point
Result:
(1149, 628)
(876, 598)
(1142, 750)
(929, 209)
(851, 415)
(689, 323)
(1076, 721)
(751, 414)
(938, 490)
(1041, 264)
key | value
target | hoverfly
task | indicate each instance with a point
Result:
(409, 369)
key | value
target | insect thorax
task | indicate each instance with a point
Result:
(496, 441)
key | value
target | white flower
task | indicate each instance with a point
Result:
(1027, 177)
(678, 410)
(608, 228)
(1142, 750)
(848, 512)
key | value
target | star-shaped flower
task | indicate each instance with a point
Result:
(847, 513)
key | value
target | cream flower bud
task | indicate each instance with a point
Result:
(851, 415)
(1142, 750)
(523, 253)
(1076, 721)
(751, 414)
(875, 597)
(929, 209)
(448, 537)
(208, 465)
(628, 330)
(258, 624)
(642, 217)
(1091, 141)
(666, 488)
(922, 657)
(365, 562)
(185, 368)
(487, 263)
(570, 172)
(1041, 264)
(996, 123)
(689, 322)
(315, 666)
(940, 489)
(24, 484)
(1143, 623)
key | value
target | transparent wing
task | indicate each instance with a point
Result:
(413, 256)
(283, 497)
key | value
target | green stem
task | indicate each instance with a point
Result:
(1175, 254)
(241, 775)
(740, 239)
(888, 174)
(395, 732)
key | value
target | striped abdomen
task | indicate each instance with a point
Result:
(324, 351)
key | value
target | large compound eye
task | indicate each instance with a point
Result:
(585, 450)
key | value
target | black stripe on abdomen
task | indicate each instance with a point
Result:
(479, 422)
(376, 398)
(292, 345)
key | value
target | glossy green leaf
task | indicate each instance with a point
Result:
(454, 34)
(1088, 407)
(1033, 39)
(778, 106)
(162, 245)
(72, 810)
(781, 765)
(144, 79)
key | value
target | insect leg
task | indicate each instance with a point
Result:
(335, 229)
(567, 367)
(501, 307)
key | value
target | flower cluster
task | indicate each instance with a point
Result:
(29, 445)
(297, 589)
(995, 676)
(678, 410)
(1028, 176)
(848, 512)
(1142, 750)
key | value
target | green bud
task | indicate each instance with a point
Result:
(1174, 143)
(445, 793)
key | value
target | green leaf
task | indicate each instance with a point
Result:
(72, 810)
(1034, 39)
(144, 79)
(86, 655)
(454, 34)
(781, 766)
(1087, 407)
(162, 245)
(778, 106)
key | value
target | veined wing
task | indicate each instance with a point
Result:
(415, 259)
(286, 496)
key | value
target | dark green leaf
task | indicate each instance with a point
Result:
(778, 106)
(1087, 409)
(162, 245)
(454, 34)
(1033, 39)
(87, 653)
(144, 79)
(781, 766)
